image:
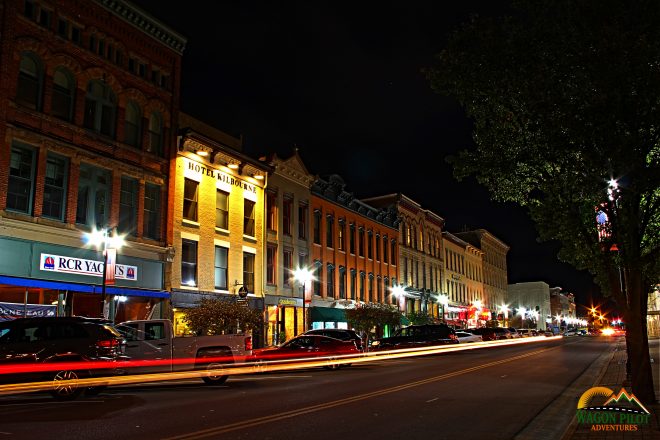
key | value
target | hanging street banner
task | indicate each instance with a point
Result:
(9, 311)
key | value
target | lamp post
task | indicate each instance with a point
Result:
(108, 244)
(303, 275)
(443, 299)
(397, 292)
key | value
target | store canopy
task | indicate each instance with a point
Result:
(327, 314)
(84, 288)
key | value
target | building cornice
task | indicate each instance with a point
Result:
(136, 17)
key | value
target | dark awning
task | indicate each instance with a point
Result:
(327, 314)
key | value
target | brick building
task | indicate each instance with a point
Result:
(89, 92)
(354, 251)
(216, 220)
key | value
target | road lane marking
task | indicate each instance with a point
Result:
(209, 432)
(432, 400)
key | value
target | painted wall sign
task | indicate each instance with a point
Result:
(219, 175)
(80, 266)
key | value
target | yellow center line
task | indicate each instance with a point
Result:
(322, 406)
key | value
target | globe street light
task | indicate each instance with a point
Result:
(108, 244)
(303, 275)
(398, 293)
(443, 299)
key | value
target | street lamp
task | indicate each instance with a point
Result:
(398, 293)
(108, 244)
(443, 299)
(303, 275)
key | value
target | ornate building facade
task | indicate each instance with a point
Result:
(89, 94)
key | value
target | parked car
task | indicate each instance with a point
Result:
(417, 336)
(575, 332)
(491, 333)
(76, 347)
(527, 332)
(514, 332)
(338, 333)
(305, 347)
(464, 337)
(154, 340)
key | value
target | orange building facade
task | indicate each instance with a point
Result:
(354, 253)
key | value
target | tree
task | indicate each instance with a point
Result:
(364, 317)
(217, 316)
(420, 318)
(564, 96)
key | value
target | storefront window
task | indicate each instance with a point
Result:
(55, 187)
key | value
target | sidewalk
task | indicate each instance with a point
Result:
(613, 376)
(558, 420)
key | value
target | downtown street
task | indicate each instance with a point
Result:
(493, 392)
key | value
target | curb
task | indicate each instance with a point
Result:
(551, 421)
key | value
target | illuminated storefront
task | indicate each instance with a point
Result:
(217, 222)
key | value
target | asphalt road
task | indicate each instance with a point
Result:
(488, 393)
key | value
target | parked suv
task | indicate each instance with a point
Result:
(417, 336)
(338, 333)
(75, 341)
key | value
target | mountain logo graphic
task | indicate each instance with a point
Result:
(621, 401)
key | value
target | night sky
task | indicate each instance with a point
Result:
(342, 81)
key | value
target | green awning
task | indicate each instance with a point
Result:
(327, 314)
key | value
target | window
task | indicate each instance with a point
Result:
(379, 289)
(45, 17)
(155, 134)
(100, 108)
(29, 9)
(302, 260)
(142, 69)
(221, 209)
(248, 271)
(287, 266)
(128, 206)
(331, 281)
(151, 221)
(190, 189)
(371, 288)
(353, 284)
(393, 252)
(340, 236)
(370, 244)
(220, 265)
(317, 227)
(271, 206)
(302, 222)
(342, 283)
(94, 185)
(101, 48)
(189, 262)
(132, 130)
(377, 247)
(30, 79)
(76, 35)
(131, 65)
(55, 187)
(21, 179)
(92, 43)
(362, 278)
(317, 280)
(287, 206)
(62, 103)
(248, 218)
(329, 223)
(351, 238)
(361, 242)
(271, 264)
(385, 249)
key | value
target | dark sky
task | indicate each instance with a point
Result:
(343, 82)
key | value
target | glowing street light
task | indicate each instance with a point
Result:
(108, 241)
(303, 275)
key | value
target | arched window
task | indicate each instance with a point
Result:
(63, 86)
(155, 134)
(100, 108)
(30, 79)
(132, 129)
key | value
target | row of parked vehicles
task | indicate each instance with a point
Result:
(59, 349)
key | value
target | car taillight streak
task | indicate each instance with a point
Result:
(248, 343)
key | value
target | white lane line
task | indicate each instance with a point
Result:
(432, 400)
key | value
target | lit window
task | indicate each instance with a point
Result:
(190, 190)
(221, 209)
(128, 206)
(21, 179)
(189, 263)
(151, 225)
(220, 264)
(248, 220)
(248, 271)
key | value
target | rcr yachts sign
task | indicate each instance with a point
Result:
(80, 266)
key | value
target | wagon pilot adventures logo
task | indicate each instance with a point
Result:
(606, 410)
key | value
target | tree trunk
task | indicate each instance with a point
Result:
(637, 343)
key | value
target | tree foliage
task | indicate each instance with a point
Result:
(217, 316)
(565, 97)
(364, 317)
(420, 318)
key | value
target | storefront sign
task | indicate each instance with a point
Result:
(220, 176)
(287, 302)
(80, 266)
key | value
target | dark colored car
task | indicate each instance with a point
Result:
(71, 344)
(417, 336)
(338, 333)
(491, 333)
(306, 347)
